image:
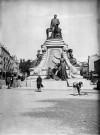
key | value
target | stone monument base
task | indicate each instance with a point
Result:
(50, 48)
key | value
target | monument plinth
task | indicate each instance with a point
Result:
(53, 47)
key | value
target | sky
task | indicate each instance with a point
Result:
(23, 25)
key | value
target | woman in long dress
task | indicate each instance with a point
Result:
(63, 63)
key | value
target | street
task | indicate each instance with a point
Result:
(25, 111)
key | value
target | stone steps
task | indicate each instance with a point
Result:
(51, 84)
(55, 42)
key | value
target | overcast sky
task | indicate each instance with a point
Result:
(23, 24)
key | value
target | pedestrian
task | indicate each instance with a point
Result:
(19, 81)
(9, 82)
(14, 85)
(0, 83)
(12, 78)
(39, 83)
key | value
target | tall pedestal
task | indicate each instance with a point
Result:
(53, 47)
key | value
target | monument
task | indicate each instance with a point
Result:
(54, 45)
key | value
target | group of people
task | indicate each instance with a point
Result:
(13, 81)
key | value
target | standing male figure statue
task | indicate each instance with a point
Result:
(54, 22)
(56, 31)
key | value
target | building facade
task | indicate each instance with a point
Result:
(97, 67)
(91, 61)
(8, 63)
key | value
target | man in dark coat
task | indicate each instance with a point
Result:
(39, 83)
(9, 82)
(54, 22)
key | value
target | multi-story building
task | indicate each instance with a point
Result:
(97, 70)
(8, 63)
(91, 61)
(97, 67)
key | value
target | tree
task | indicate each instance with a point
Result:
(24, 66)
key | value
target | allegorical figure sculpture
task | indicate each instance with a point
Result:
(63, 63)
(56, 31)
(73, 61)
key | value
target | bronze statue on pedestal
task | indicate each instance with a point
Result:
(54, 29)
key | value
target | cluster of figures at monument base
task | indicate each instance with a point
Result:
(59, 70)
